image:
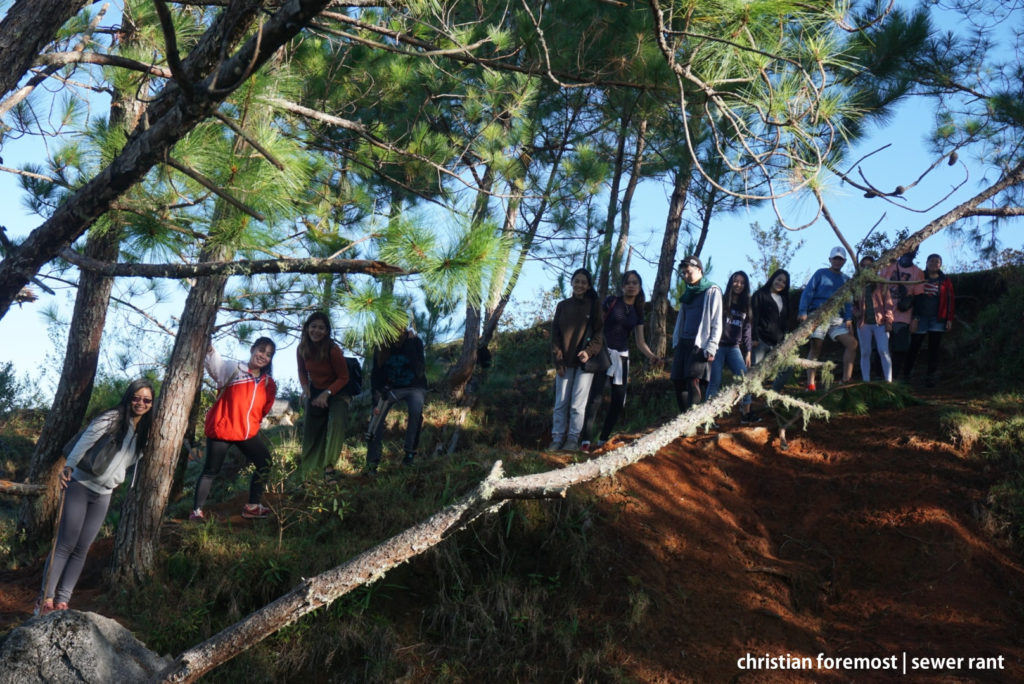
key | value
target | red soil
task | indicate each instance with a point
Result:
(864, 539)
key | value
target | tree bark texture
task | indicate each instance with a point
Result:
(81, 357)
(659, 335)
(28, 27)
(148, 146)
(138, 533)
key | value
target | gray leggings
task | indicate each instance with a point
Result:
(84, 512)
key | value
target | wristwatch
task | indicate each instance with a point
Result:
(328, 392)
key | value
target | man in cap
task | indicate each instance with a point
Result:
(698, 329)
(817, 292)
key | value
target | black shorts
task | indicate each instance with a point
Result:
(688, 361)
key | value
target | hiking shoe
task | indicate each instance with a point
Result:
(585, 446)
(571, 445)
(408, 460)
(197, 515)
(255, 511)
(556, 444)
(749, 417)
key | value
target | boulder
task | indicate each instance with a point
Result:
(71, 646)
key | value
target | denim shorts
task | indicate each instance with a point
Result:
(834, 327)
(927, 324)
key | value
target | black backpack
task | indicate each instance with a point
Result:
(355, 377)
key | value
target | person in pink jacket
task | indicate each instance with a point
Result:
(902, 270)
(873, 317)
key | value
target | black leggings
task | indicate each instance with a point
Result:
(934, 345)
(216, 449)
(614, 409)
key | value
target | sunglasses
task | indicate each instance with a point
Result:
(142, 400)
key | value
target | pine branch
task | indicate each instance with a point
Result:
(241, 267)
(213, 187)
(223, 118)
(171, 45)
(56, 60)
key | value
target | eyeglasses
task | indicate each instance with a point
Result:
(142, 400)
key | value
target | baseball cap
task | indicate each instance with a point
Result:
(837, 252)
(691, 261)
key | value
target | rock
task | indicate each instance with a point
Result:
(71, 646)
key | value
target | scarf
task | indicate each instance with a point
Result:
(692, 291)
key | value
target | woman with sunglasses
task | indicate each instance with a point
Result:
(87, 490)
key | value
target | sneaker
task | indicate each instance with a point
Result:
(811, 387)
(408, 460)
(197, 515)
(749, 417)
(556, 445)
(598, 444)
(585, 446)
(255, 511)
(571, 445)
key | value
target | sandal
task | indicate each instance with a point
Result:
(44, 606)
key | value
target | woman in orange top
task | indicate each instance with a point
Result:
(322, 374)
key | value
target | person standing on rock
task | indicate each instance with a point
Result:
(577, 335)
(818, 290)
(697, 331)
(95, 466)
(245, 396)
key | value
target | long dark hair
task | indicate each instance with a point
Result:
(124, 415)
(262, 342)
(315, 351)
(739, 301)
(767, 287)
(639, 303)
(591, 293)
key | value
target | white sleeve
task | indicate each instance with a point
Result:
(221, 370)
(97, 428)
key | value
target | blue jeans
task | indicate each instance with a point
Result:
(734, 357)
(571, 393)
(762, 350)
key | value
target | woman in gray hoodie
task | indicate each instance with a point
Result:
(119, 433)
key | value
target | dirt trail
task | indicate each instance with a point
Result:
(861, 540)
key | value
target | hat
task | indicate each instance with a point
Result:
(691, 261)
(837, 252)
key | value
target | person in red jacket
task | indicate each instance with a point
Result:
(933, 315)
(246, 395)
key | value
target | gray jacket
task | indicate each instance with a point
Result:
(125, 457)
(710, 330)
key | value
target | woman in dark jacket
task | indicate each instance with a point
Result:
(399, 374)
(577, 335)
(933, 315)
(735, 344)
(770, 307)
(623, 314)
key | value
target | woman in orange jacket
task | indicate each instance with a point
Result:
(246, 395)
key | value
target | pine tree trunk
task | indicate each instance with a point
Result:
(604, 254)
(627, 199)
(659, 335)
(72, 398)
(139, 531)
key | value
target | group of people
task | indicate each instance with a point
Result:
(738, 328)
(115, 440)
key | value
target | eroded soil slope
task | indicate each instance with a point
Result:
(864, 538)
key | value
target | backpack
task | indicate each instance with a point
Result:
(355, 377)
